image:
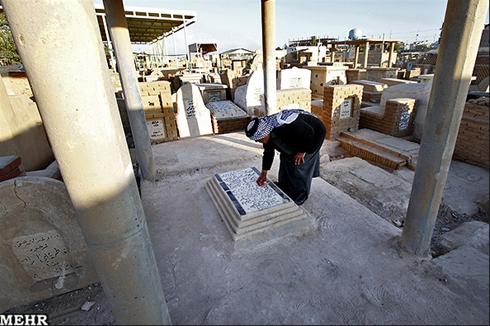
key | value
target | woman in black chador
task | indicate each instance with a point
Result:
(298, 136)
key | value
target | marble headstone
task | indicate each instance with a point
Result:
(223, 110)
(247, 209)
(248, 97)
(193, 118)
(294, 78)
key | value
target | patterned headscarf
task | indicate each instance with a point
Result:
(258, 128)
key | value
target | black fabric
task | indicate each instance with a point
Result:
(304, 135)
(295, 180)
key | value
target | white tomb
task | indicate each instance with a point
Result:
(193, 118)
(223, 110)
(248, 97)
(247, 209)
(294, 78)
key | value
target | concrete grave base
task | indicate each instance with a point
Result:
(249, 210)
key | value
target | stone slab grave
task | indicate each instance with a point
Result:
(193, 118)
(42, 249)
(247, 209)
(227, 117)
(294, 78)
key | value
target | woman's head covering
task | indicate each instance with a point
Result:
(258, 128)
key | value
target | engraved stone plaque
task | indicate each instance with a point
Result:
(43, 255)
(346, 108)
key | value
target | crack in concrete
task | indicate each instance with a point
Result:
(17, 195)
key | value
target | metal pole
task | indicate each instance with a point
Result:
(67, 71)
(390, 56)
(109, 43)
(456, 57)
(124, 54)
(173, 38)
(186, 47)
(269, 54)
(366, 53)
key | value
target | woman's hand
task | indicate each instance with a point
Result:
(299, 158)
(262, 178)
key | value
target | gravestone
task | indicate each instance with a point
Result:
(294, 78)
(248, 97)
(223, 110)
(193, 118)
(41, 244)
(248, 210)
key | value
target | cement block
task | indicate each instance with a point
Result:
(193, 118)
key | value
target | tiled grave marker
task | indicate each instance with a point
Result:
(247, 209)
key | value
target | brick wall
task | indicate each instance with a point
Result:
(341, 109)
(395, 119)
(472, 144)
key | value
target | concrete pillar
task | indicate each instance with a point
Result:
(456, 57)
(124, 54)
(8, 145)
(109, 43)
(356, 56)
(173, 38)
(332, 55)
(390, 56)
(67, 70)
(269, 54)
(366, 54)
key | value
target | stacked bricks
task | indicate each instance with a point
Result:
(294, 97)
(472, 144)
(159, 111)
(372, 90)
(397, 118)
(341, 109)
(288, 99)
(229, 125)
(10, 167)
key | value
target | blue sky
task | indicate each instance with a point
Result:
(236, 23)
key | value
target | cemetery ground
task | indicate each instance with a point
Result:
(350, 270)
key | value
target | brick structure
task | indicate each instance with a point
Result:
(472, 144)
(355, 74)
(159, 111)
(395, 119)
(372, 90)
(227, 117)
(322, 76)
(341, 109)
(289, 98)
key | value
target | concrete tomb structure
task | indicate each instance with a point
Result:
(341, 109)
(248, 96)
(41, 244)
(212, 92)
(193, 118)
(294, 78)
(420, 92)
(371, 91)
(322, 76)
(395, 118)
(247, 209)
(227, 117)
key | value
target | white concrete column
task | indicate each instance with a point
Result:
(390, 56)
(124, 54)
(67, 70)
(456, 57)
(269, 54)
(109, 43)
(366, 54)
(356, 56)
